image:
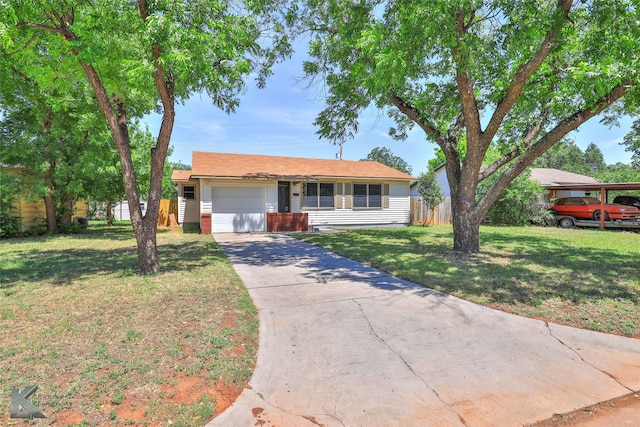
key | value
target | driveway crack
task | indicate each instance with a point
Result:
(583, 360)
(409, 367)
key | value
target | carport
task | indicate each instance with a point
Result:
(601, 187)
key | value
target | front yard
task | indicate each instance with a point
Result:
(583, 278)
(109, 347)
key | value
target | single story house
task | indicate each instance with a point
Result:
(548, 177)
(545, 177)
(257, 193)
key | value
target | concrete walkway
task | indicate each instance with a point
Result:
(342, 344)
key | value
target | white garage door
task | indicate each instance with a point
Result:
(238, 209)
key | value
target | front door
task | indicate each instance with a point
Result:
(284, 196)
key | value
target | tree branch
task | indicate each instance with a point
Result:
(465, 85)
(525, 71)
(543, 144)
(415, 115)
(528, 140)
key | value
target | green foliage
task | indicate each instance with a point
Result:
(509, 79)
(523, 202)
(386, 157)
(619, 172)
(169, 190)
(632, 142)
(141, 57)
(567, 156)
(9, 192)
(429, 188)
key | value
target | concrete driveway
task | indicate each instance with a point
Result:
(342, 344)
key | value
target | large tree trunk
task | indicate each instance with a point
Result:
(466, 231)
(466, 220)
(67, 211)
(50, 212)
(147, 248)
(109, 214)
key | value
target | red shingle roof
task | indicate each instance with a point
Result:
(221, 165)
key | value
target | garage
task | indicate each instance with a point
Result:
(238, 209)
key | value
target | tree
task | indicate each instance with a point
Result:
(619, 172)
(147, 55)
(593, 160)
(9, 187)
(429, 188)
(515, 77)
(564, 155)
(169, 190)
(386, 157)
(50, 133)
(632, 142)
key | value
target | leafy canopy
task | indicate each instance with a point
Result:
(513, 77)
(386, 157)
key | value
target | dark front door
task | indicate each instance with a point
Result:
(284, 196)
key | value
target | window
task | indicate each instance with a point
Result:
(189, 192)
(319, 195)
(367, 195)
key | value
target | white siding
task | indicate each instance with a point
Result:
(397, 213)
(121, 210)
(188, 210)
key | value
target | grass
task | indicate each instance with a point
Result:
(107, 346)
(583, 278)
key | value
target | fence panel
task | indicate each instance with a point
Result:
(421, 215)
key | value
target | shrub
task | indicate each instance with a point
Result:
(523, 202)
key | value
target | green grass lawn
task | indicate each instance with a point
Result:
(584, 278)
(107, 346)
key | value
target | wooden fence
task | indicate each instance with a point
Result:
(168, 214)
(421, 215)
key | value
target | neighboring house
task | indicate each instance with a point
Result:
(31, 211)
(245, 193)
(547, 177)
(441, 177)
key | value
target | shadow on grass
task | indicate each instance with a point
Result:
(535, 268)
(63, 266)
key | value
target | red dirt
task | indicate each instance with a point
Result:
(603, 413)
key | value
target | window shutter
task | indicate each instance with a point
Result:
(385, 196)
(337, 195)
(348, 198)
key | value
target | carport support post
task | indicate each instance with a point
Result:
(602, 212)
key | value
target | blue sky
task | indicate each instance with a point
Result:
(278, 120)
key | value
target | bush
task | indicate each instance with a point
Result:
(9, 188)
(9, 226)
(523, 202)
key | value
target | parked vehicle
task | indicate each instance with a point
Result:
(627, 200)
(589, 208)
